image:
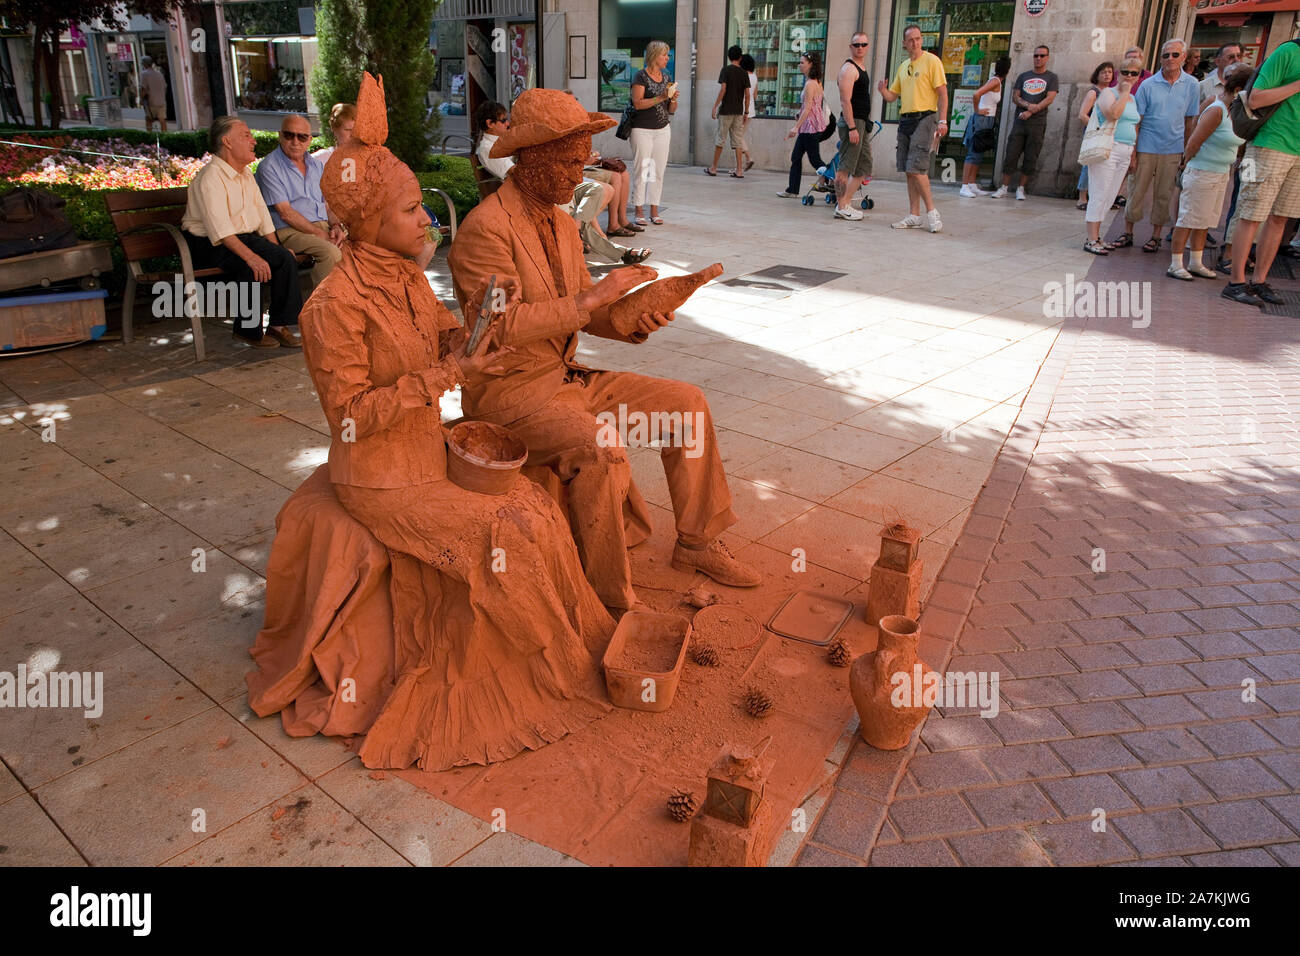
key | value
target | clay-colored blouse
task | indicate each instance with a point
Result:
(370, 333)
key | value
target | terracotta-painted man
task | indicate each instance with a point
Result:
(551, 401)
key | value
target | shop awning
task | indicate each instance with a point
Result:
(1208, 8)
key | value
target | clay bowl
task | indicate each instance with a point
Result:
(484, 457)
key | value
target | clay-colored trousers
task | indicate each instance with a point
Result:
(589, 455)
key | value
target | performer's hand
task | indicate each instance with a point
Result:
(505, 294)
(488, 360)
(652, 321)
(616, 284)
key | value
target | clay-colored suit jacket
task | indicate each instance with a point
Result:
(498, 238)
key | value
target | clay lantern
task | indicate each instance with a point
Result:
(735, 784)
(899, 547)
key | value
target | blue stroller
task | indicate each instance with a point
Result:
(828, 172)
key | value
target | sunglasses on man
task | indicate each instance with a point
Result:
(300, 137)
(859, 44)
(1130, 72)
(1171, 55)
(1040, 56)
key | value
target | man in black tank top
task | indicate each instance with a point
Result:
(855, 115)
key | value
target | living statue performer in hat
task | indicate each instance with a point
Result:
(495, 631)
(548, 399)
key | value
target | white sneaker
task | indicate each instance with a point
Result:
(968, 191)
(932, 221)
(1020, 193)
(850, 213)
(978, 191)
(907, 222)
(999, 193)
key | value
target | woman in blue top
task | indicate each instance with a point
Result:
(1207, 164)
(1114, 105)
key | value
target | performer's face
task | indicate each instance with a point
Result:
(402, 228)
(553, 170)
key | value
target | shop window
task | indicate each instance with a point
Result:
(626, 28)
(776, 35)
(270, 73)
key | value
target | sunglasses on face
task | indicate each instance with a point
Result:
(1171, 55)
(300, 137)
(859, 44)
(1130, 73)
(1040, 56)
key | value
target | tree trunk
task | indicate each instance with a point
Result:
(53, 81)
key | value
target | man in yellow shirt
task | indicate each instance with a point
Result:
(921, 85)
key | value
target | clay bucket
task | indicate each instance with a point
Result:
(484, 457)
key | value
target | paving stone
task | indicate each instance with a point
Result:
(1100, 685)
(1163, 711)
(849, 823)
(1237, 777)
(1022, 762)
(1075, 843)
(925, 853)
(1011, 804)
(931, 816)
(956, 733)
(999, 848)
(949, 770)
(813, 855)
(1158, 787)
(1163, 833)
(1242, 823)
(1081, 795)
(1028, 726)
(1235, 737)
(1288, 808)
(1095, 754)
(1097, 717)
(1254, 857)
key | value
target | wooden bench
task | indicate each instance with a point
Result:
(148, 225)
(486, 182)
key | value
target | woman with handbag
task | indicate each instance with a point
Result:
(1206, 167)
(808, 126)
(654, 100)
(1107, 149)
(1100, 80)
(981, 132)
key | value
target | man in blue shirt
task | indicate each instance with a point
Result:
(289, 179)
(1168, 103)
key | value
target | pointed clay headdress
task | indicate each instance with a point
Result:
(361, 179)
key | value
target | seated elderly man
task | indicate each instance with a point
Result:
(556, 405)
(228, 226)
(289, 178)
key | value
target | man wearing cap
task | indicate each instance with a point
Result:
(550, 400)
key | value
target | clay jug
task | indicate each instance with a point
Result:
(664, 295)
(883, 724)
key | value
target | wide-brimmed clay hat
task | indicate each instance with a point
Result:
(543, 116)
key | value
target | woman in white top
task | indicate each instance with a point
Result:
(987, 98)
(1101, 78)
(489, 123)
(748, 65)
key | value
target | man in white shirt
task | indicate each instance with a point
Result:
(228, 226)
(1212, 85)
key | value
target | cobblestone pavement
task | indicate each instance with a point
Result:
(1131, 571)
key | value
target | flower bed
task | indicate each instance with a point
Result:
(94, 165)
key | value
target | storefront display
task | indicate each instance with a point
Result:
(270, 60)
(776, 35)
(626, 28)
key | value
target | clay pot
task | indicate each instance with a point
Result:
(882, 724)
(484, 457)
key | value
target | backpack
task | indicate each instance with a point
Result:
(32, 220)
(1246, 122)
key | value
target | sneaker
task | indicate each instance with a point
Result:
(718, 563)
(966, 191)
(907, 222)
(977, 191)
(999, 193)
(1265, 291)
(787, 195)
(850, 213)
(932, 221)
(1020, 193)
(1240, 292)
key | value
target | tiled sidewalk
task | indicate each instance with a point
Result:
(1132, 572)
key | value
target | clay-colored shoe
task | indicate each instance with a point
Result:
(718, 563)
(286, 338)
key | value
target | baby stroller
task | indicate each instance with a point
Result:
(828, 172)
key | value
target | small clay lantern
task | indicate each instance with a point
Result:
(735, 784)
(899, 547)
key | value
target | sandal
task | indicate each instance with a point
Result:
(737, 175)
(1123, 242)
(640, 221)
(1096, 247)
(1151, 245)
(1081, 205)
(656, 220)
(622, 232)
(1121, 201)
(633, 256)
(709, 172)
(634, 227)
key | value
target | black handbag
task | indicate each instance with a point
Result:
(1246, 122)
(32, 220)
(625, 124)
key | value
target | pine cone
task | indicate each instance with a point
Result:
(705, 654)
(839, 654)
(682, 805)
(757, 702)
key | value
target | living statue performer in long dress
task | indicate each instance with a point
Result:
(496, 632)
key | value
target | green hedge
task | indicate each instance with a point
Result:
(453, 175)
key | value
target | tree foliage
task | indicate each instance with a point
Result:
(47, 20)
(389, 38)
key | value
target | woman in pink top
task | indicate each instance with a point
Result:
(808, 128)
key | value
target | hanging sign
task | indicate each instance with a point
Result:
(1035, 8)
